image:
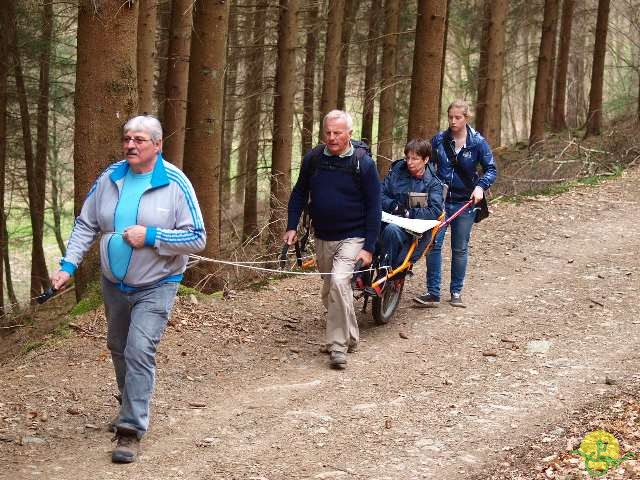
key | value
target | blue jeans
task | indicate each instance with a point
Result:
(396, 245)
(460, 234)
(135, 324)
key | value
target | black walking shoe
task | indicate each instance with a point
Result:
(338, 360)
(428, 300)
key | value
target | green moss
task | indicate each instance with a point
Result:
(265, 282)
(32, 345)
(563, 187)
(183, 290)
(62, 331)
(597, 179)
(259, 285)
(91, 301)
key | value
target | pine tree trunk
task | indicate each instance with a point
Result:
(481, 100)
(507, 88)
(54, 176)
(489, 105)
(163, 28)
(388, 92)
(7, 21)
(11, 294)
(252, 123)
(147, 14)
(538, 114)
(203, 145)
(371, 71)
(444, 60)
(524, 77)
(428, 63)
(329, 99)
(559, 123)
(39, 271)
(39, 274)
(594, 115)
(576, 109)
(175, 103)
(311, 48)
(105, 96)
(550, 80)
(230, 106)
(350, 10)
(282, 142)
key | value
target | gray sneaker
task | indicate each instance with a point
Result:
(337, 360)
(429, 300)
(128, 446)
(456, 301)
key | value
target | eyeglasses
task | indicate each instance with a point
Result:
(136, 140)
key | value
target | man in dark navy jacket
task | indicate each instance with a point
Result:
(343, 190)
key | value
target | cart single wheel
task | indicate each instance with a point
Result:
(386, 304)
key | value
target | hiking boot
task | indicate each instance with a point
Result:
(456, 301)
(353, 347)
(127, 446)
(429, 300)
(337, 360)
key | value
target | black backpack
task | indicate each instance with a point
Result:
(321, 161)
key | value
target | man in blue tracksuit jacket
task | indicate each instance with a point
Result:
(147, 215)
(343, 189)
(459, 151)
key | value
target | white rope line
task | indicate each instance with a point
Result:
(272, 270)
(291, 254)
(239, 262)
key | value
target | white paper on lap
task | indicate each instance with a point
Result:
(412, 224)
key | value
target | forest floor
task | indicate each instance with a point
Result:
(547, 351)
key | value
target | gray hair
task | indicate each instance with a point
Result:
(338, 115)
(145, 123)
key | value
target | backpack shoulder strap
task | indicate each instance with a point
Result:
(315, 158)
(361, 149)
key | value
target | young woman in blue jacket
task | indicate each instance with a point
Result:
(459, 151)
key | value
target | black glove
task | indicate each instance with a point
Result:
(399, 210)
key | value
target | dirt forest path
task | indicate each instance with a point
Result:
(244, 393)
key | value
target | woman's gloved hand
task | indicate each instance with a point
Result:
(400, 210)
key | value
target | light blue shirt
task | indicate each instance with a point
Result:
(126, 215)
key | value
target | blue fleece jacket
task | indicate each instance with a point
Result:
(342, 204)
(476, 151)
(399, 183)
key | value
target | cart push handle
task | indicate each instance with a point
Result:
(457, 213)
